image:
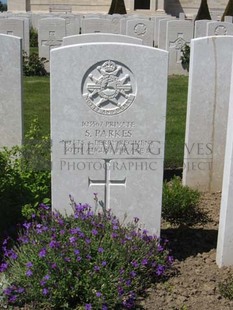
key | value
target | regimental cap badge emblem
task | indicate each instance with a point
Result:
(109, 87)
(220, 30)
(140, 29)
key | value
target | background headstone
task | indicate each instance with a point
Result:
(35, 18)
(141, 29)
(16, 27)
(115, 22)
(11, 124)
(162, 38)
(26, 34)
(156, 20)
(127, 17)
(207, 110)
(50, 35)
(95, 25)
(200, 28)
(182, 16)
(219, 29)
(179, 33)
(72, 23)
(228, 19)
(108, 111)
(99, 37)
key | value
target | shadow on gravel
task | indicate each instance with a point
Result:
(186, 241)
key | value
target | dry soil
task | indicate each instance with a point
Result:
(194, 284)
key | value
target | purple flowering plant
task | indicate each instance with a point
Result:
(87, 260)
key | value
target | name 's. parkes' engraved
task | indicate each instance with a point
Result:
(109, 88)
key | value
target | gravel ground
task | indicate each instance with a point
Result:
(194, 284)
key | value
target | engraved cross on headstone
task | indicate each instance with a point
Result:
(52, 41)
(107, 183)
(177, 45)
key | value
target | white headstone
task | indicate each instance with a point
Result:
(127, 17)
(115, 22)
(225, 232)
(26, 15)
(93, 15)
(162, 38)
(179, 33)
(12, 27)
(182, 16)
(99, 37)
(156, 20)
(219, 29)
(72, 23)
(141, 29)
(95, 25)
(50, 34)
(11, 126)
(35, 18)
(15, 27)
(26, 34)
(200, 28)
(228, 19)
(207, 110)
(108, 127)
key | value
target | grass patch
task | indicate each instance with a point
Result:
(36, 104)
(176, 117)
(34, 50)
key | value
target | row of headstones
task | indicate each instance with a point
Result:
(108, 112)
(164, 32)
